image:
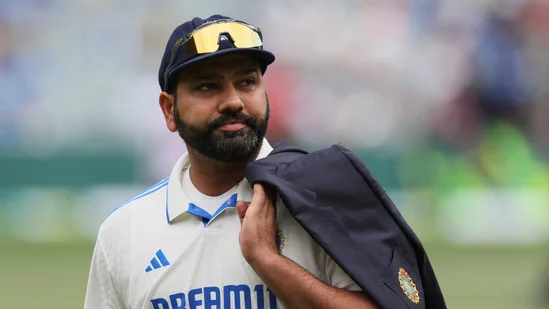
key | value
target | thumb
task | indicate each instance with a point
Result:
(241, 208)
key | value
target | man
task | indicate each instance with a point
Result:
(203, 238)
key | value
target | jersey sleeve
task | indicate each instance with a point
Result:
(337, 277)
(101, 291)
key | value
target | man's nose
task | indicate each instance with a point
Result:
(231, 101)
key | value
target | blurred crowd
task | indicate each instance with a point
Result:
(429, 93)
(445, 101)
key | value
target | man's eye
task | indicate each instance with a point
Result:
(247, 82)
(206, 87)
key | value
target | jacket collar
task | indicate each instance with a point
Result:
(177, 202)
(285, 146)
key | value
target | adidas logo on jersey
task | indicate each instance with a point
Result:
(158, 261)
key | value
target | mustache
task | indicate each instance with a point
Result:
(248, 120)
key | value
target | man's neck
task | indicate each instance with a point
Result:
(212, 177)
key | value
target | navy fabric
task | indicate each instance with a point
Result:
(333, 195)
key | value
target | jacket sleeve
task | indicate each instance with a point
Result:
(101, 291)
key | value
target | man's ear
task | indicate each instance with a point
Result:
(167, 102)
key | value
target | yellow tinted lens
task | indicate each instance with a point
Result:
(206, 40)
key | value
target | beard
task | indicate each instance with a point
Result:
(230, 147)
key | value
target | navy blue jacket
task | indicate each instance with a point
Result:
(335, 198)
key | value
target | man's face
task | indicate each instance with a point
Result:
(221, 108)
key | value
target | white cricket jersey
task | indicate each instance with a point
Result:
(172, 247)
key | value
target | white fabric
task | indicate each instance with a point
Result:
(206, 268)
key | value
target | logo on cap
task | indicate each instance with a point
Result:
(408, 286)
(225, 38)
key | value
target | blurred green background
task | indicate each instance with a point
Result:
(447, 102)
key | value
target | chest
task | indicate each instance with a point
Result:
(192, 266)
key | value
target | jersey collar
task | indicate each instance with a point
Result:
(177, 202)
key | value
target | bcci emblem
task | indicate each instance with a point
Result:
(280, 240)
(408, 286)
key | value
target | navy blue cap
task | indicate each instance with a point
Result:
(182, 59)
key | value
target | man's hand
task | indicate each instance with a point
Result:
(259, 227)
(293, 285)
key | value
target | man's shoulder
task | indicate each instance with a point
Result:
(149, 195)
(139, 205)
